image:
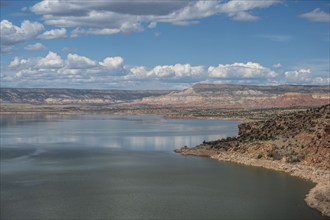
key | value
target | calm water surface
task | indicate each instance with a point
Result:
(123, 167)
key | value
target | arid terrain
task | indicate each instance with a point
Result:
(243, 96)
(199, 95)
(286, 128)
(40, 96)
(297, 143)
(244, 103)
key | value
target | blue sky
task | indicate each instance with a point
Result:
(159, 44)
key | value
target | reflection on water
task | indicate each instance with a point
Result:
(132, 132)
(115, 167)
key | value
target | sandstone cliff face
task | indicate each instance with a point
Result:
(300, 137)
(238, 96)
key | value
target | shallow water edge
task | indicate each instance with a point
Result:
(318, 197)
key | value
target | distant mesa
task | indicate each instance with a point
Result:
(74, 96)
(199, 95)
(243, 96)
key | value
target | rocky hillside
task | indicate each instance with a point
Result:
(242, 96)
(74, 96)
(297, 143)
(301, 137)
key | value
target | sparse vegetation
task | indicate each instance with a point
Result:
(287, 137)
(285, 142)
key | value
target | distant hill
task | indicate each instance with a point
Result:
(199, 96)
(244, 96)
(74, 96)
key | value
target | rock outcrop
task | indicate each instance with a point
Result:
(297, 143)
(299, 137)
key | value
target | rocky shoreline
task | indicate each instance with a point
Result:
(318, 197)
(297, 143)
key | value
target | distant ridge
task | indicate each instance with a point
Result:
(244, 96)
(199, 95)
(74, 96)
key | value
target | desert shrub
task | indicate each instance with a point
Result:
(275, 155)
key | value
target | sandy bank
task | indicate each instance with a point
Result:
(318, 197)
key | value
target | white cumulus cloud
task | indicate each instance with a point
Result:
(75, 61)
(12, 34)
(52, 69)
(301, 74)
(51, 61)
(241, 70)
(240, 10)
(53, 34)
(19, 63)
(80, 71)
(113, 16)
(317, 16)
(183, 72)
(35, 47)
(112, 62)
(306, 76)
(321, 81)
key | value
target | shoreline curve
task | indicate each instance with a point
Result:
(318, 197)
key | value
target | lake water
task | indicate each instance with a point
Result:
(124, 167)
